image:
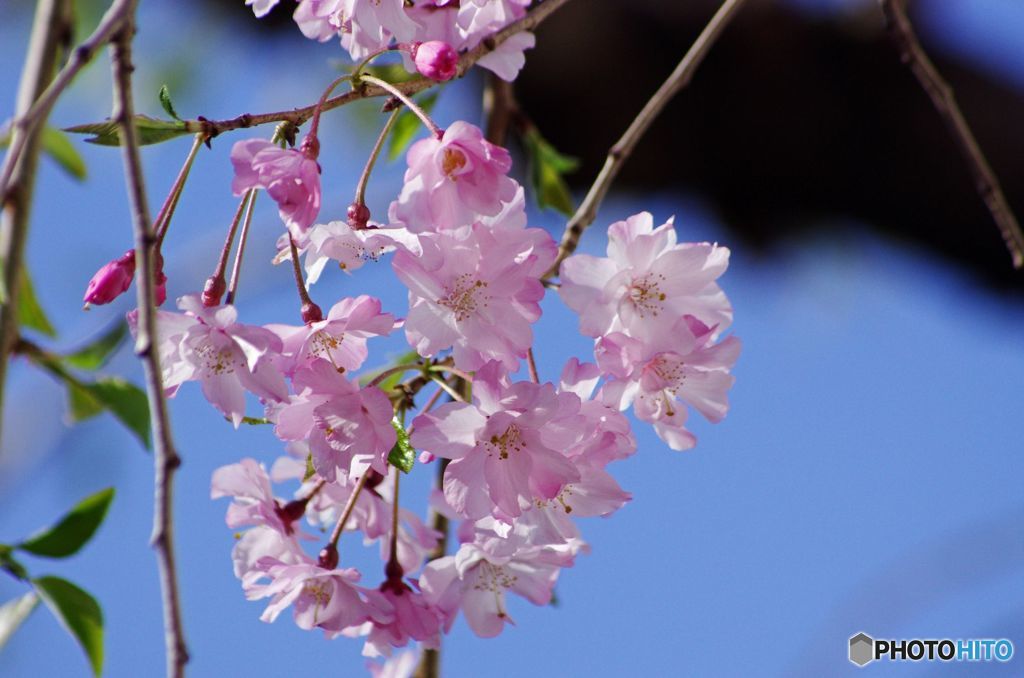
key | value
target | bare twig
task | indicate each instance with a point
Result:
(33, 116)
(622, 149)
(298, 116)
(941, 94)
(165, 458)
(51, 25)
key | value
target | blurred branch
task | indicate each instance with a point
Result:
(913, 55)
(27, 121)
(165, 458)
(297, 116)
(617, 155)
(51, 29)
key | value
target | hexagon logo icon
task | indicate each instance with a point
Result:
(862, 649)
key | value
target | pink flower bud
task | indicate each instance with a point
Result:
(435, 59)
(112, 280)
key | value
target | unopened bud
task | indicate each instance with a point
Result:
(310, 147)
(111, 280)
(435, 59)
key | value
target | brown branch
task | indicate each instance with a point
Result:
(165, 458)
(617, 155)
(941, 94)
(29, 120)
(50, 27)
(297, 116)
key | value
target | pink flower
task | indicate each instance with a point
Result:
(606, 435)
(261, 7)
(351, 248)
(253, 502)
(340, 338)
(477, 290)
(414, 619)
(506, 447)
(208, 345)
(435, 59)
(112, 280)
(453, 180)
(291, 177)
(476, 581)
(328, 599)
(655, 375)
(647, 281)
(347, 427)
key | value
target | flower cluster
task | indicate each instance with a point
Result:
(519, 459)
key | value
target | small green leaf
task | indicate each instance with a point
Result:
(73, 530)
(165, 101)
(9, 564)
(310, 471)
(392, 73)
(547, 167)
(93, 355)
(13, 613)
(407, 125)
(125, 401)
(59, 147)
(81, 404)
(30, 313)
(78, 612)
(254, 421)
(150, 131)
(402, 455)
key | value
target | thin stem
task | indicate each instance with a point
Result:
(430, 662)
(29, 120)
(300, 284)
(622, 149)
(236, 269)
(394, 519)
(430, 404)
(163, 217)
(409, 103)
(357, 71)
(941, 94)
(364, 178)
(408, 367)
(215, 284)
(349, 505)
(315, 126)
(298, 116)
(451, 369)
(165, 457)
(51, 24)
(448, 389)
(532, 366)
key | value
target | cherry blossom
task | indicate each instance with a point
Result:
(453, 181)
(291, 177)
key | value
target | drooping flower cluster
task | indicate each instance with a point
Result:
(524, 459)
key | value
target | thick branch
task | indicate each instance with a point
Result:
(165, 458)
(298, 116)
(622, 149)
(30, 119)
(941, 94)
(51, 26)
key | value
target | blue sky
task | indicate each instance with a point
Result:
(866, 479)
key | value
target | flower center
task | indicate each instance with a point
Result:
(453, 161)
(646, 295)
(509, 441)
(219, 361)
(320, 592)
(465, 296)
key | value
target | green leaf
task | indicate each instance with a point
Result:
(402, 455)
(95, 354)
(392, 73)
(254, 421)
(310, 471)
(81, 404)
(59, 147)
(73, 530)
(125, 401)
(150, 131)
(13, 613)
(9, 564)
(407, 125)
(30, 313)
(547, 167)
(78, 612)
(165, 101)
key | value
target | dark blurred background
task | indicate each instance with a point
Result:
(801, 117)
